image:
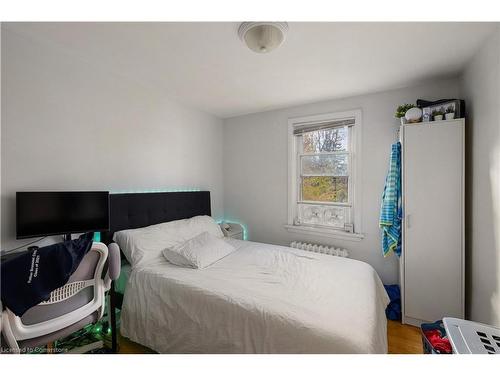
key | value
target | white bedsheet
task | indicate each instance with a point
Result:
(259, 299)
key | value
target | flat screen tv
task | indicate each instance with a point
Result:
(52, 213)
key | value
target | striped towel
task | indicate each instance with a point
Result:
(391, 210)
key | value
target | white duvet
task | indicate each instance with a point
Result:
(259, 299)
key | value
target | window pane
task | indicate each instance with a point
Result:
(325, 189)
(326, 140)
(336, 165)
(334, 216)
(311, 214)
(322, 215)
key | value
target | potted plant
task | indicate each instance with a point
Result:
(450, 113)
(438, 114)
(401, 111)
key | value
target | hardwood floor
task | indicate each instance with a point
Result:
(403, 339)
(125, 346)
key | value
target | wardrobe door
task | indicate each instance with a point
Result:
(433, 202)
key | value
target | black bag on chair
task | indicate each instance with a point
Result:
(28, 279)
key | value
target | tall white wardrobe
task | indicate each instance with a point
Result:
(432, 261)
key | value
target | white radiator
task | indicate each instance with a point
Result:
(330, 250)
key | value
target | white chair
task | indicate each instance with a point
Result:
(79, 302)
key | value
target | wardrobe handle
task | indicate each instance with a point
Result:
(408, 221)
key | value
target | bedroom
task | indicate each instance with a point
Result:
(276, 147)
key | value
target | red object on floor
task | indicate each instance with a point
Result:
(442, 344)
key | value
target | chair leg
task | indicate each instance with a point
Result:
(112, 305)
(9, 335)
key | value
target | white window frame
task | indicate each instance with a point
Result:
(354, 180)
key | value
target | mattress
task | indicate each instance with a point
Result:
(122, 280)
(259, 299)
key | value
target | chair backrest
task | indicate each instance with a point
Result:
(80, 297)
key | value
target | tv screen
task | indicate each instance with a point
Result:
(50, 213)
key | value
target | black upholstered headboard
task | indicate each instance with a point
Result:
(136, 210)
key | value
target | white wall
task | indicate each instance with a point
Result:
(255, 167)
(481, 90)
(68, 124)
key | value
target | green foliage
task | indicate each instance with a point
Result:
(438, 112)
(325, 189)
(401, 110)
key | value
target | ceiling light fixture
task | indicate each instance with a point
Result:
(263, 37)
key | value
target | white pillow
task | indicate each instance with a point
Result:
(199, 252)
(145, 244)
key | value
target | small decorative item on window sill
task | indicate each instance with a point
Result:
(349, 227)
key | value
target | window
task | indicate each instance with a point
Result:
(323, 169)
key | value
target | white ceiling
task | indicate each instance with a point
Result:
(206, 66)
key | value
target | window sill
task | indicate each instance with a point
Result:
(330, 233)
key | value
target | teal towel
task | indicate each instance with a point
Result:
(391, 210)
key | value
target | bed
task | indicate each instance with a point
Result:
(259, 299)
